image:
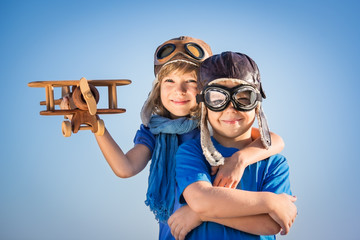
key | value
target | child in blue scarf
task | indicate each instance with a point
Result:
(167, 123)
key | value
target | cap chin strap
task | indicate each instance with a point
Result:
(263, 127)
(211, 154)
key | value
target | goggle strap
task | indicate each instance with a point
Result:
(259, 97)
(200, 98)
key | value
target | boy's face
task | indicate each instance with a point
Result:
(178, 93)
(231, 124)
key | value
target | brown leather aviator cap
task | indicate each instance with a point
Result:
(230, 65)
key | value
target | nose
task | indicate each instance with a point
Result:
(230, 107)
(180, 89)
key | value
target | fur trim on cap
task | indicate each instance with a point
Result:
(181, 60)
(234, 80)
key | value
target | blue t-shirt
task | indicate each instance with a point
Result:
(144, 136)
(271, 175)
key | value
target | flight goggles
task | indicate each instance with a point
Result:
(217, 97)
(190, 49)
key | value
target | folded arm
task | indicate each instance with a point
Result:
(261, 224)
(218, 202)
(185, 219)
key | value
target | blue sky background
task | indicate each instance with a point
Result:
(53, 187)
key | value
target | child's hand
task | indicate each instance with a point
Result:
(229, 174)
(183, 221)
(284, 211)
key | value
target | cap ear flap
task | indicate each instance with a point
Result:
(211, 154)
(262, 92)
(263, 127)
(145, 113)
(148, 107)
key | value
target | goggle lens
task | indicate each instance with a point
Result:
(245, 98)
(165, 51)
(216, 98)
(194, 50)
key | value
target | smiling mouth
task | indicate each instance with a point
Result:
(232, 121)
(180, 102)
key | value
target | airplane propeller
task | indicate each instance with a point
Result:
(88, 96)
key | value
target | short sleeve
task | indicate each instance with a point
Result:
(144, 136)
(277, 175)
(191, 166)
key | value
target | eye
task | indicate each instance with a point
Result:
(244, 101)
(169, 80)
(215, 98)
(244, 98)
(191, 81)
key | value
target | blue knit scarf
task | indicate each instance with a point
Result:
(160, 195)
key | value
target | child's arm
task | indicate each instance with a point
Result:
(182, 221)
(229, 174)
(185, 219)
(123, 165)
(261, 224)
(218, 202)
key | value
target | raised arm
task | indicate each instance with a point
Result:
(229, 175)
(123, 165)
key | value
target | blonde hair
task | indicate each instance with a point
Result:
(153, 104)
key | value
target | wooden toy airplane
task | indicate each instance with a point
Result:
(83, 103)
